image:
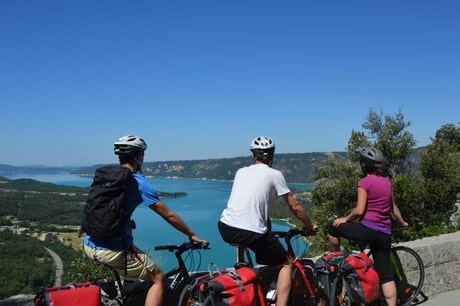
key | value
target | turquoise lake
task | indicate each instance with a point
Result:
(201, 210)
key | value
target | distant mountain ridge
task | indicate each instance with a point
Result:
(297, 167)
(12, 170)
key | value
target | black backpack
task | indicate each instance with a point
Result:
(103, 213)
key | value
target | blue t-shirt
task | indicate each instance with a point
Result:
(140, 191)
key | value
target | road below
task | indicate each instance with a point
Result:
(59, 268)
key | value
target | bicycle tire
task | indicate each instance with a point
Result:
(299, 292)
(185, 298)
(409, 283)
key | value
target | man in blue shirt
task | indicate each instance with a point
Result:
(120, 253)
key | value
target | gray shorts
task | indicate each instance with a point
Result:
(138, 264)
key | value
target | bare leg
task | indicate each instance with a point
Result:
(335, 242)
(155, 294)
(283, 286)
(389, 291)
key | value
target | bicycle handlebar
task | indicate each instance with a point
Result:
(294, 232)
(184, 247)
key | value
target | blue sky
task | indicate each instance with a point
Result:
(200, 79)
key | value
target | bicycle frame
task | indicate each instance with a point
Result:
(297, 263)
(176, 277)
(396, 266)
(180, 274)
(409, 276)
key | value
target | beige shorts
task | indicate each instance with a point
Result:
(138, 264)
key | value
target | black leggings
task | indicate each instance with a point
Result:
(380, 244)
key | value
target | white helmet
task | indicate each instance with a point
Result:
(129, 144)
(262, 147)
(262, 143)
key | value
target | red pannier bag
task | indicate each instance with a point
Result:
(73, 295)
(361, 280)
(234, 287)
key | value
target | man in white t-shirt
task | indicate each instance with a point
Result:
(245, 220)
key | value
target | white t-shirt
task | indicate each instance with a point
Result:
(255, 190)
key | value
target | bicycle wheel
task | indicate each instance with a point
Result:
(409, 273)
(185, 298)
(299, 291)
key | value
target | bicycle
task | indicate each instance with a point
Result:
(303, 288)
(409, 275)
(134, 293)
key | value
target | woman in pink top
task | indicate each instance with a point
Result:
(373, 209)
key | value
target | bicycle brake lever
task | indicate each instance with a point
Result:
(205, 245)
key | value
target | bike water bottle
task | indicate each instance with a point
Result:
(271, 294)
